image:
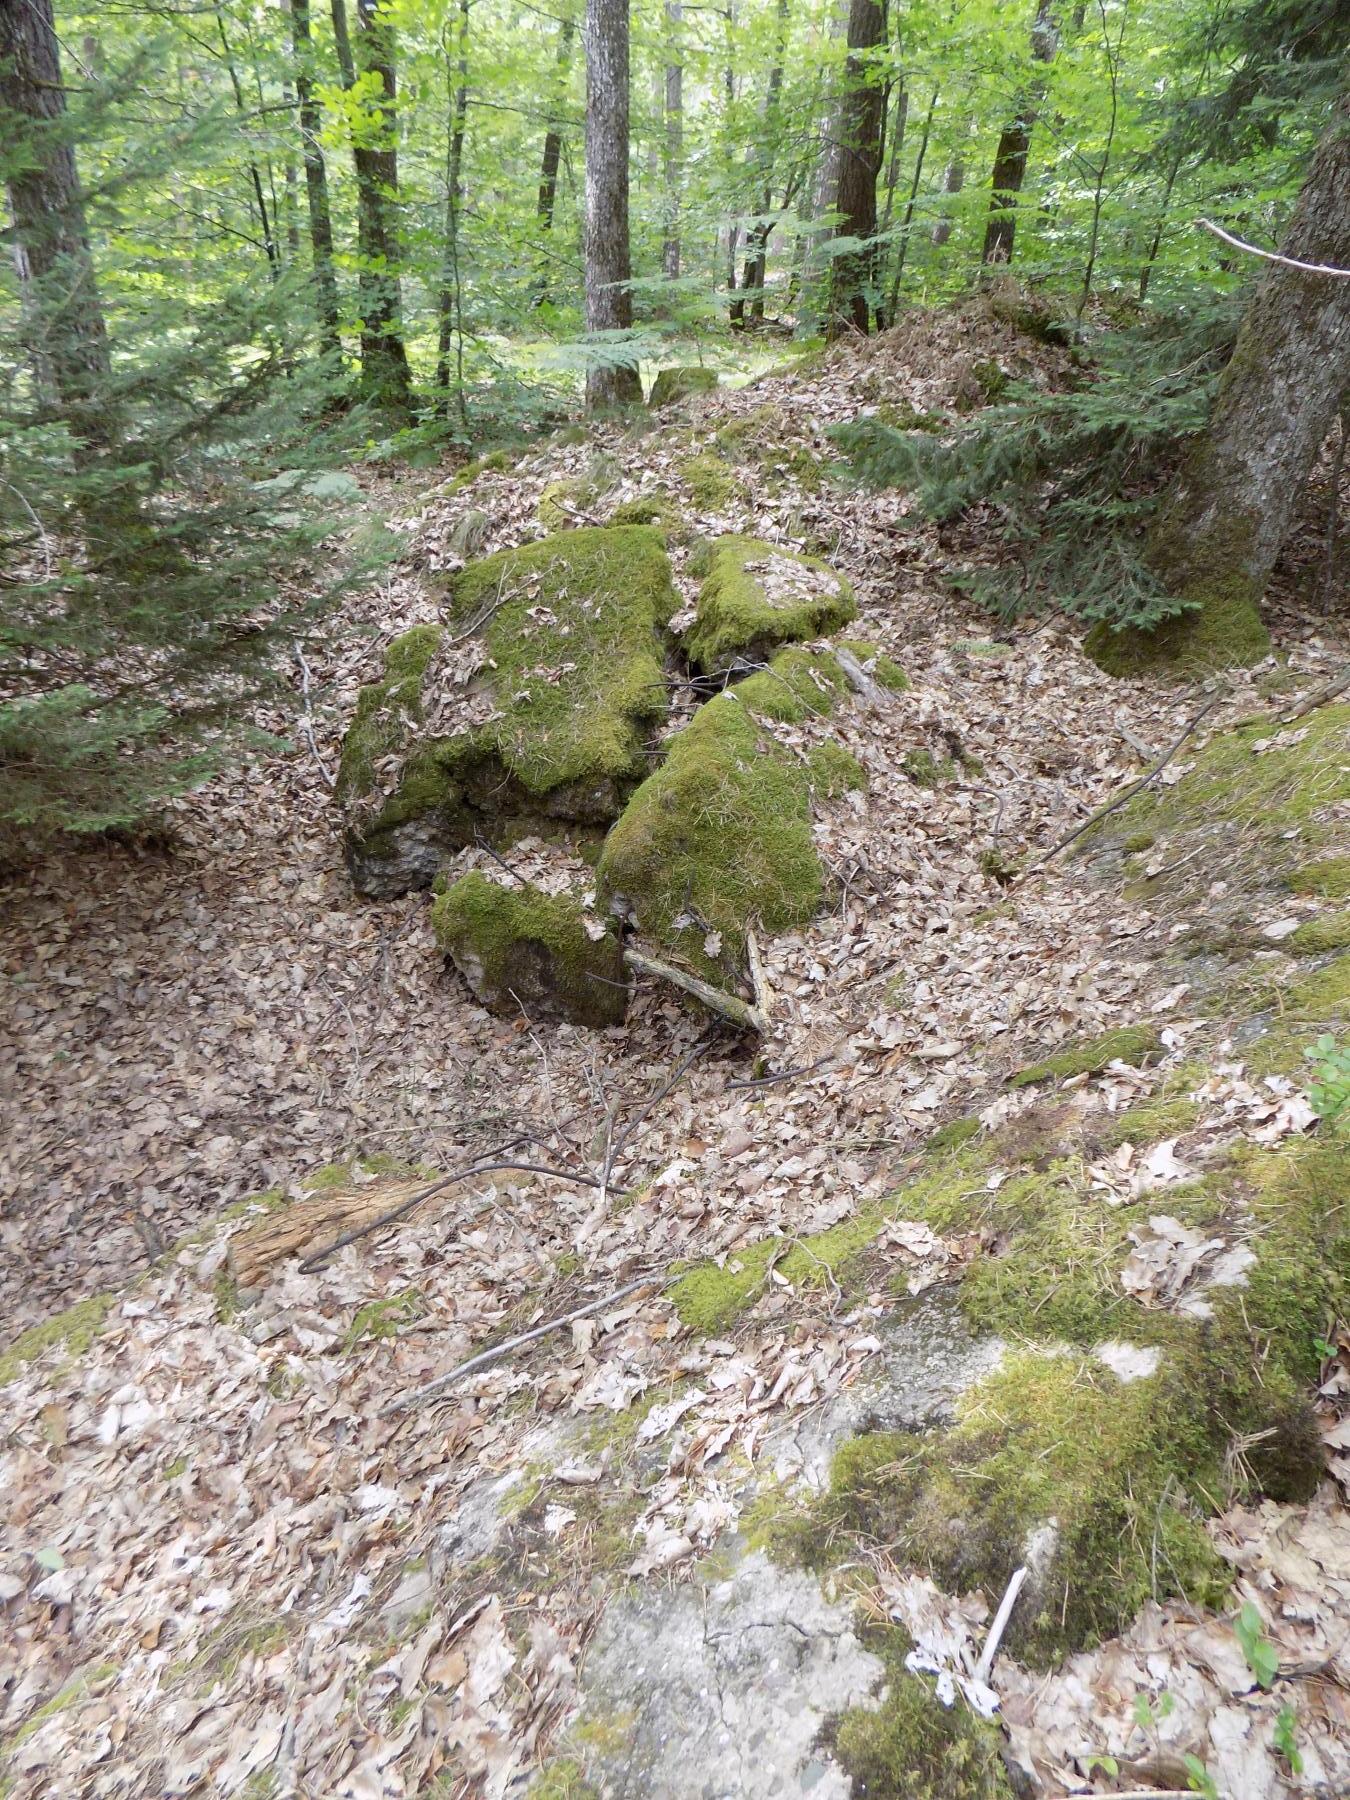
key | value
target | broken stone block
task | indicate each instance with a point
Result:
(529, 706)
(757, 597)
(522, 950)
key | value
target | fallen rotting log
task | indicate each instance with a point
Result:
(740, 1012)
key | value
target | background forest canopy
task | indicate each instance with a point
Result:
(253, 243)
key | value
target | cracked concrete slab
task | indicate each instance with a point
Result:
(705, 1692)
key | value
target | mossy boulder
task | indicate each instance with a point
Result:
(679, 383)
(531, 705)
(720, 835)
(522, 950)
(1222, 633)
(710, 480)
(756, 597)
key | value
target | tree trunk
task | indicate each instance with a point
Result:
(449, 320)
(385, 376)
(1234, 505)
(673, 146)
(51, 237)
(316, 184)
(1010, 159)
(551, 160)
(757, 237)
(612, 380)
(907, 223)
(952, 183)
(858, 153)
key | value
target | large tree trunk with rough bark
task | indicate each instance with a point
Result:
(385, 376)
(69, 347)
(610, 380)
(1234, 506)
(858, 153)
(316, 183)
(1010, 159)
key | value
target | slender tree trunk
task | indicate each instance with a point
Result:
(859, 152)
(1234, 505)
(907, 223)
(757, 237)
(51, 237)
(316, 184)
(893, 159)
(1010, 159)
(449, 328)
(551, 159)
(952, 183)
(609, 303)
(673, 143)
(385, 376)
(266, 219)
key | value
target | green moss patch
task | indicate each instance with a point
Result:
(72, 1331)
(1151, 1122)
(911, 1747)
(757, 597)
(884, 670)
(720, 836)
(1319, 937)
(519, 948)
(680, 383)
(710, 480)
(1137, 1045)
(833, 771)
(1329, 877)
(379, 1320)
(552, 726)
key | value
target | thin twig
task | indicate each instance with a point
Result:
(765, 1081)
(1288, 262)
(307, 720)
(1000, 1624)
(403, 1402)
(1104, 812)
(616, 1149)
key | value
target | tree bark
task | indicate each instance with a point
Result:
(858, 163)
(551, 160)
(449, 328)
(1010, 159)
(952, 183)
(62, 305)
(1234, 505)
(611, 380)
(757, 237)
(316, 184)
(385, 377)
(673, 142)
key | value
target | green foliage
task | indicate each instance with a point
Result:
(1263, 1658)
(1069, 479)
(1329, 1094)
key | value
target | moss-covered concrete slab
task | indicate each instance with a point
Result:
(679, 383)
(522, 950)
(757, 597)
(531, 704)
(720, 835)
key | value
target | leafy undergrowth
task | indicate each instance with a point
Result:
(279, 1581)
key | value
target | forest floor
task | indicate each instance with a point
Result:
(226, 1562)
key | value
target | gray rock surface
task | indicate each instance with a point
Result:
(705, 1691)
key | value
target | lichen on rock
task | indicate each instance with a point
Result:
(521, 949)
(757, 597)
(532, 704)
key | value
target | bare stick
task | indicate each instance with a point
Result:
(404, 1401)
(765, 1081)
(413, 1201)
(1288, 262)
(715, 999)
(1318, 698)
(1104, 812)
(1000, 1624)
(307, 720)
(863, 684)
(759, 980)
